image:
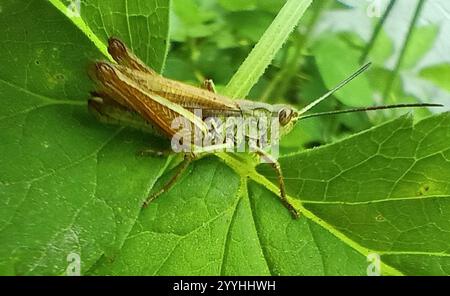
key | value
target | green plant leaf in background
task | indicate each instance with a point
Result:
(336, 59)
(237, 5)
(438, 74)
(72, 185)
(142, 25)
(385, 190)
(382, 49)
(190, 20)
(422, 40)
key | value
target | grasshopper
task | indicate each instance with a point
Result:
(132, 94)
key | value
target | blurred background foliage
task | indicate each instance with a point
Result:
(411, 60)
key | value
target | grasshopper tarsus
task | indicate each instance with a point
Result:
(151, 198)
(294, 212)
(209, 85)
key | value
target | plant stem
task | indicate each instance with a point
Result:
(285, 76)
(398, 65)
(83, 27)
(281, 74)
(267, 47)
(377, 31)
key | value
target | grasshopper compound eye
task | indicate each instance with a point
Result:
(285, 115)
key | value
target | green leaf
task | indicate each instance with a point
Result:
(270, 5)
(385, 191)
(439, 74)
(336, 60)
(190, 21)
(142, 25)
(250, 24)
(353, 206)
(184, 231)
(267, 47)
(422, 40)
(226, 232)
(382, 50)
(58, 162)
(238, 5)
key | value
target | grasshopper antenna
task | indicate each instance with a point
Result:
(338, 87)
(398, 106)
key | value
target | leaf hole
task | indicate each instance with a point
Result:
(423, 190)
(313, 144)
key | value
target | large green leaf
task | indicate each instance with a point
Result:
(422, 40)
(439, 74)
(385, 191)
(142, 25)
(382, 49)
(336, 59)
(58, 163)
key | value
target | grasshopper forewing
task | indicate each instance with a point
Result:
(133, 94)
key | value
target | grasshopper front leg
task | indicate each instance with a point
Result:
(208, 84)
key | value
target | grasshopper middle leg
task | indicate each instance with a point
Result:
(277, 168)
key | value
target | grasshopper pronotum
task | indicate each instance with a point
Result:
(130, 93)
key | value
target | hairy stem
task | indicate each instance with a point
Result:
(266, 49)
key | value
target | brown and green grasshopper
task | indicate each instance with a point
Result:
(132, 94)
